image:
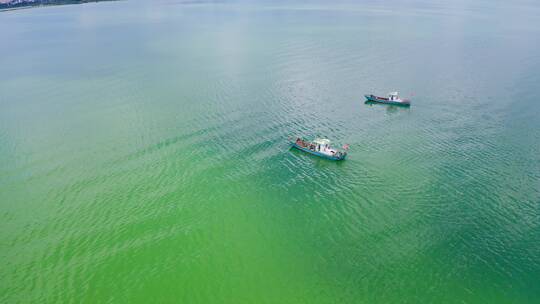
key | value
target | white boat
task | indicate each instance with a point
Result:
(320, 147)
(393, 99)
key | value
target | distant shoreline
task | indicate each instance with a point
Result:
(26, 5)
(15, 8)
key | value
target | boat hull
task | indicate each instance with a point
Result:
(326, 156)
(375, 99)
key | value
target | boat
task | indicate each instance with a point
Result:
(320, 147)
(392, 99)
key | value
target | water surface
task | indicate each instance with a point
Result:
(144, 157)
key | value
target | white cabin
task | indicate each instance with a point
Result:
(323, 145)
(393, 96)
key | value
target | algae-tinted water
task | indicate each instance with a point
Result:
(144, 157)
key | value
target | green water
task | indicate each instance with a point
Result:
(144, 157)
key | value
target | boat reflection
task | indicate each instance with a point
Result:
(390, 109)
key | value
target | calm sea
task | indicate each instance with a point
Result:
(144, 152)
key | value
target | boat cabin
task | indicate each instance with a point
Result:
(393, 96)
(321, 144)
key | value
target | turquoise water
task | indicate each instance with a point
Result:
(144, 156)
